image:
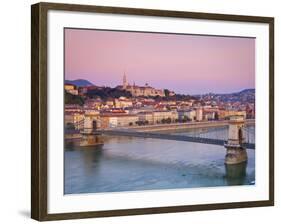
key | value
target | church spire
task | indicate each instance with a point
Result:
(125, 83)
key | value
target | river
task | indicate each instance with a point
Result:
(136, 164)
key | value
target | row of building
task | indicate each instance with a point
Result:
(79, 118)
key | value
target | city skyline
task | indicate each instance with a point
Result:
(143, 84)
(186, 64)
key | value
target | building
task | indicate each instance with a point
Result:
(74, 120)
(70, 88)
(110, 103)
(250, 111)
(209, 115)
(146, 117)
(169, 103)
(226, 114)
(73, 108)
(112, 120)
(140, 90)
(123, 102)
(82, 91)
(93, 104)
(186, 115)
(199, 114)
(161, 116)
(107, 121)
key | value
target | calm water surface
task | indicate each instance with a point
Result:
(132, 164)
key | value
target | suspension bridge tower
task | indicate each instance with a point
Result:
(235, 152)
(90, 137)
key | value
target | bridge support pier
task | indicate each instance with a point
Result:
(235, 174)
(235, 155)
(235, 152)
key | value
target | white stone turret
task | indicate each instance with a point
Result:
(235, 131)
(236, 153)
(91, 123)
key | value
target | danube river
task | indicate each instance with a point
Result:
(135, 164)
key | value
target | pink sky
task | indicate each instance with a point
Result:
(189, 64)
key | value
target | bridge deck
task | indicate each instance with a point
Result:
(170, 137)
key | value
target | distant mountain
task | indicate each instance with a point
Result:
(247, 91)
(79, 82)
(246, 95)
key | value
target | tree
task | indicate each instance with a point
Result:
(139, 123)
(216, 116)
(107, 92)
(73, 99)
(70, 126)
(166, 92)
(184, 119)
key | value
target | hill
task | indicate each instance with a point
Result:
(79, 82)
(247, 91)
(244, 96)
(107, 92)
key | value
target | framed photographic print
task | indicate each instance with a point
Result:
(141, 111)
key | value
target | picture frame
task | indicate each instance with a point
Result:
(41, 86)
